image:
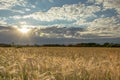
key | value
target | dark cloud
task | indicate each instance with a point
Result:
(5, 28)
(60, 32)
(53, 35)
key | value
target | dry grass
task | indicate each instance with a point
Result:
(61, 63)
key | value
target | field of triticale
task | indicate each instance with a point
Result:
(59, 63)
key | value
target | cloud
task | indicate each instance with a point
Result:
(104, 27)
(7, 4)
(98, 28)
(112, 4)
(16, 6)
(9, 34)
(6, 29)
(59, 32)
(108, 4)
(104, 22)
(66, 12)
(51, 1)
(2, 22)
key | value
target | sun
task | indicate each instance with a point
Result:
(24, 30)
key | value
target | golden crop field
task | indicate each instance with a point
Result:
(59, 63)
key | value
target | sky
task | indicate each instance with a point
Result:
(59, 21)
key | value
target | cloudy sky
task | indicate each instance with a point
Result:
(59, 21)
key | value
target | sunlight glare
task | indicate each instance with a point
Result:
(24, 30)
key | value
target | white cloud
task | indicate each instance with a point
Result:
(15, 17)
(2, 22)
(112, 4)
(108, 27)
(22, 22)
(27, 9)
(51, 1)
(108, 4)
(104, 22)
(12, 4)
(66, 12)
(18, 11)
(4, 4)
(7, 4)
(104, 27)
(81, 22)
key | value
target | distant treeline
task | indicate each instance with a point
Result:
(85, 45)
(63, 45)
